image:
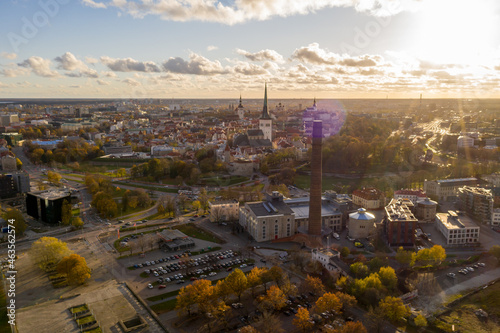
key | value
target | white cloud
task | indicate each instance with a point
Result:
(69, 62)
(91, 60)
(240, 11)
(14, 70)
(3, 85)
(93, 4)
(246, 68)
(131, 82)
(129, 65)
(315, 55)
(109, 74)
(212, 48)
(8, 55)
(197, 65)
(39, 66)
(103, 83)
(262, 55)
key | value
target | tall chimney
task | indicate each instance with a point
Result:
(315, 199)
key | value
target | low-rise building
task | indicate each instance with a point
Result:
(369, 198)
(413, 195)
(399, 224)
(361, 224)
(495, 217)
(174, 240)
(331, 216)
(224, 210)
(47, 205)
(447, 189)
(457, 228)
(9, 163)
(425, 210)
(327, 258)
(269, 219)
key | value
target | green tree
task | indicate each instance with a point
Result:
(17, 219)
(48, 251)
(495, 251)
(66, 213)
(393, 308)
(77, 222)
(406, 258)
(344, 252)
(75, 268)
(359, 269)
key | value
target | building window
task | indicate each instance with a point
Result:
(264, 231)
(288, 229)
(276, 230)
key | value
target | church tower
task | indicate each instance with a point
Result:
(240, 110)
(265, 121)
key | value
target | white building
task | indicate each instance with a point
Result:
(457, 229)
(331, 216)
(361, 224)
(447, 189)
(465, 142)
(326, 258)
(413, 195)
(224, 210)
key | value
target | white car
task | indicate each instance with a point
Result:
(212, 273)
(243, 266)
(150, 286)
(452, 275)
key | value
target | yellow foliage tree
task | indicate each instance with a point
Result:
(237, 282)
(313, 284)
(328, 302)
(393, 308)
(48, 251)
(302, 320)
(75, 268)
(274, 299)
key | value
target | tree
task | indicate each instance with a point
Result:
(277, 275)
(405, 258)
(19, 164)
(48, 251)
(77, 222)
(420, 321)
(66, 213)
(53, 177)
(495, 251)
(432, 256)
(351, 327)
(288, 288)
(328, 302)
(388, 277)
(344, 252)
(186, 300)
(376, 263)
(269, 323)
(237, 282)
(75, 268)
(375, 319)
(393, 308)
(17, 219)
(346, 300)
(359, 269)
(302, 320)
(254, 278)
(247, 329)
(313, 284)
(223, 290)
(274, 299)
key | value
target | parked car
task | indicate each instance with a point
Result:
(150, 286)
(452, 275)
(161, 286)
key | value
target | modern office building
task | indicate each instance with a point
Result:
(457, 228)
(46, 205)
(7, 187)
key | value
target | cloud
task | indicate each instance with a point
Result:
(109, 74)
(93, 4)
(315, 55)
(3, 85)
(246, 68)
(131, 82)
(261, 55)
(39, 66)
(129, 65)
(91, 60)
(14, 71)
(240, 11)
(197, 65)
(212, 48)
(69, 62)
(103, 83)
(8, 55)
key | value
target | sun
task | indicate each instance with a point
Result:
(457, 31)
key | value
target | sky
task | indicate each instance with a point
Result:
(221, 49)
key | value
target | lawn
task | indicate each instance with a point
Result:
(79, 308)
(162, 296)
(85, 320)
(328, 183)
(464, 318)
(193, 231)
(147, 187)
(164, 306)
(224, 181)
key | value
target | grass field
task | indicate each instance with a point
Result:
(164, 306)
(465, 320)
(193, 231)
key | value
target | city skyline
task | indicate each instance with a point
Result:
(207, 49)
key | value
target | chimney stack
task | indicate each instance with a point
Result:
(316, 175)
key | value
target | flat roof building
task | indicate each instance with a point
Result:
(447, 189)
(477, 202)
(47, 205)
(457, 228)
(399, 224)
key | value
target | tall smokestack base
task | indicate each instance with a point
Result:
(316, 175)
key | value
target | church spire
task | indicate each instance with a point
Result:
(265, 113)
(241, 103)
(314, 104)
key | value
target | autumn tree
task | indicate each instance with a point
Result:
(404, 257)
(269, 323)
(66, 213)
(53, 177)
(223, 290)
(75, 268)
(48, 251)
(254, 278)
(344, 252)
(277, 275)
(16, 217)
(420, 321)
(346, 300)
(302, 320)
(393, 308)
(433, 256)
(312, 284)
(359, 269)
(350, 327)
(186, 300)
(288, 288)
(248, 329)
(76, 222)
(328, 302)
(274, 299)
(237, 282)
(388, 277)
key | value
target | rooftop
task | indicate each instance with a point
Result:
(454, 220)
(444, 181)
(51, 194)
(270, 208)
